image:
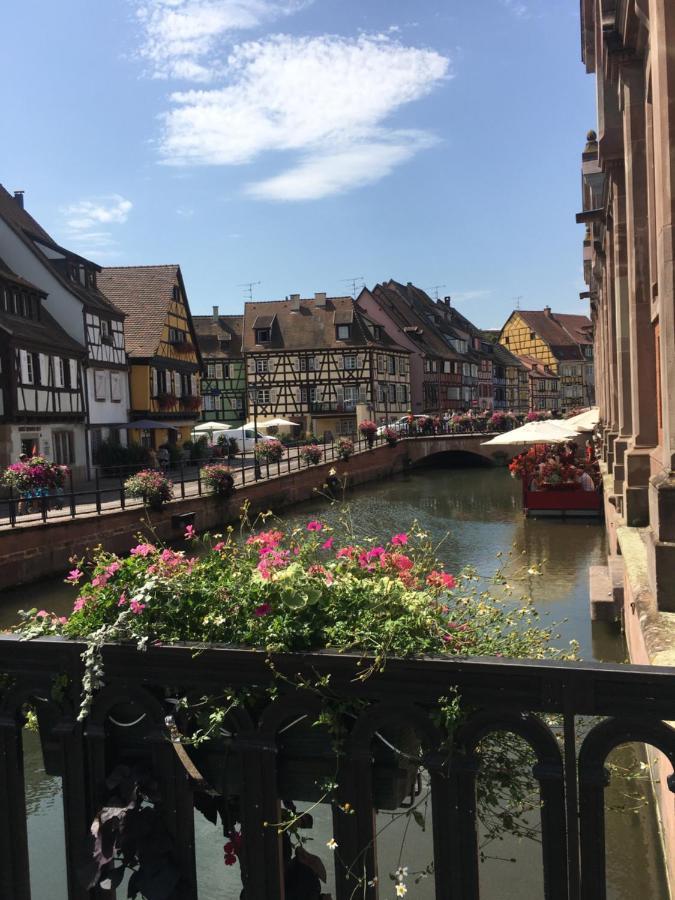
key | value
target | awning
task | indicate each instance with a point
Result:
(547, 432)
(585, 421)
(148, 425)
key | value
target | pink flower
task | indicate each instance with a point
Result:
(136, 607)
(368, 556)
(122, 600)
(143, 550)
(100, 580)
(62, 620)
(189, 532)
(219, 546)
(113, 567)
(345, 553)
(266, 538)
(399, 540)
(263, 610)
(79, 603)
(441, 580)
(314, 526)
(328, 545)
(42, 614)
(401, 562)
(74, 576)
(320, 570)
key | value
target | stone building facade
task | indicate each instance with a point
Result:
(628, 178)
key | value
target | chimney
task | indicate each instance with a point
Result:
(295, 303)
(547, 311)
(320, 299)
(18, 196)
(447, 301)
(215, 313)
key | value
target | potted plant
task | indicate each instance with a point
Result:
(345, 447)
(368, 429)
(153, 488)
(219, 478)
(269, 451)
(34, 475)
(191, 401)
(391, 436)
(312, 454)
(166, 400)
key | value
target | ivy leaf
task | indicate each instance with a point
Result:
(419, 818)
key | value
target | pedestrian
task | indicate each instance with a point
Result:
(585, 480)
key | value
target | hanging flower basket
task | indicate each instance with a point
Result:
(219, 478)
(150, 486)
(35, 474)
(166, 400)
(391, 436)
(368, 429)
(311, 454)
(269, 451)
(345, 448)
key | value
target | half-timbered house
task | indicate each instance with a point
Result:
(73, 298)
(42, 408)
(435, 366)
(560, 341)
(322, 363)
(543, 385)
(163, 350)
(223, 380)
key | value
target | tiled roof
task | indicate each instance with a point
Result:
(28, 230)
(561, 331)
(306, 325)
(417, 327)
(503, 356)
(144, 293)
(536, 368)
(219, 338)
(46, 331)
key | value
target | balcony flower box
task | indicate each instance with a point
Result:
(191, 401)
(183, 347)
(166, 400)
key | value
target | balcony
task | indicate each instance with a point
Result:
(394, 757)
(333, 407)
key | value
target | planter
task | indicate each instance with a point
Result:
(370, 440)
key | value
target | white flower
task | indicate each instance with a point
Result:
(331, 844)
(401, 890)
(401, 872)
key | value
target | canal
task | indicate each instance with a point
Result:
(475, 515)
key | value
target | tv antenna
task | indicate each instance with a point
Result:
(436, 288)
(517, 300)
(249, 285)
(354, 281)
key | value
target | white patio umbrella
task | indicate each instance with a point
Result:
(275, 423)
(548, 432)
(585, 421)
(209, 427)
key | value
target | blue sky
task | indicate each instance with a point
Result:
(301, 143)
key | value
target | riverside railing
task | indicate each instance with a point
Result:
(270, 751)
(106, 492)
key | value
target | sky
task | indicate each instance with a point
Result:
(273, 147)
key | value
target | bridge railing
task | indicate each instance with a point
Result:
(270, 763)
(106, 494)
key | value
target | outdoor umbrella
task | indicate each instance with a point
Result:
(208, 427)
(585, 421)
(275, 423)
(147, 425)
(548, 432)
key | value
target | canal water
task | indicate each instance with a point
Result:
(476, 514)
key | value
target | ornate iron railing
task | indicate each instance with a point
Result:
(631, 704)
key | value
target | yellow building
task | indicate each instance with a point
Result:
(164, 360)
(563, 343)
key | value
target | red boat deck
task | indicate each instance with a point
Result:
(562, 503)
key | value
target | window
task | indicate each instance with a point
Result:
(507, 340)
(226, 370)
(381, 393)
(185, 385)
(64, 444)
(392, 393)
(308, 395)
(209, 402)
(343, 332)
(350, 362)
(37, 371)
(307, 364)
(351, 396)
(262, 396)
(532, 335)
(262, 365)
(115, 387)
(106, 332)
(447, 367)
(263, 335)
(346, 426)
(26, 367)
(454, 393)
(59, 371)
(214, 370)
(392, 365)
(402, 393)
(176, 336)
(380, 364)
(175, 293)
(99, 386)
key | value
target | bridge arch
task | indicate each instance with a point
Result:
(458, 449)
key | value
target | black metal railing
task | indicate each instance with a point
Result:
(105, 493)
(257, 761)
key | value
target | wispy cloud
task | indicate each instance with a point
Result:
(325, 97)
(467, 296)
(85, 221)
(518, 8)
(181, 38)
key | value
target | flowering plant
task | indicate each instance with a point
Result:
(191, 401)
(538, 415)
(346, 447)
(311, 453)
(34, 474)
(391, 436)
(166, 400)
(368, 428)
(270, 451)
(219, 478)
(151, 486)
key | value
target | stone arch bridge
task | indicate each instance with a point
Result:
(454, 447)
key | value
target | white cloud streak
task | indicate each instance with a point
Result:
(517, 8)
(85, 221)
(181, 38)
(325, 97)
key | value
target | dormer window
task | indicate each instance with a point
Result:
(263, 335)
(343, 332)
(106, 331)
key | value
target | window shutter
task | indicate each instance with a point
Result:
(340, 393)
(153, 382)
(58, 380)
(363, 396)
(44, 369)
(23, 361)
(178, 382)
(73, 373)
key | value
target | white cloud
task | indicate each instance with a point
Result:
(327, 97)
(464, 296)
(519, 9)
(181, 38)
(84, 219)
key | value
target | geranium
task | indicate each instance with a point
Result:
(150, 486)
(311, 454)
(34, 474)
(399, 540)
(314, 526)
(74, 576)
(219, 478)
(441, 580)
(269, 450)
(391, 436)
(345, 447)
(328, 545)
(367, 428)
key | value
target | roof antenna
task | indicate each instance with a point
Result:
(249, 285)
(354, 281)
(436, 288)
(517, 300)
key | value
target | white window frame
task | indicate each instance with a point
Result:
(262, 365)
(350, 363)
